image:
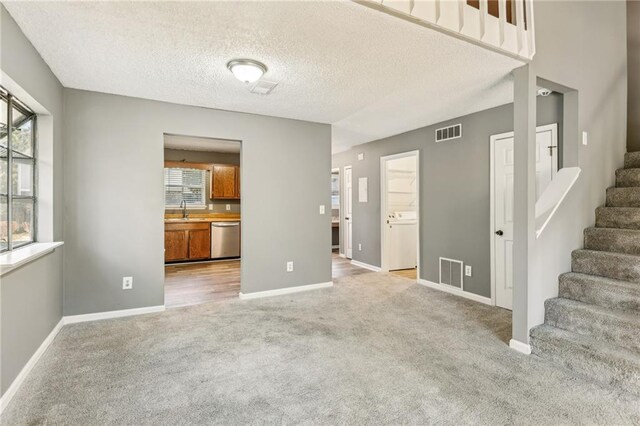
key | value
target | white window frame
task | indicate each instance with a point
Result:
(202, 205)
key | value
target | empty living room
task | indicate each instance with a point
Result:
(320, 212)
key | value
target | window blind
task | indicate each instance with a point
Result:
(184, 184)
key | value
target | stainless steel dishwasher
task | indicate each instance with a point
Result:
(225, 239)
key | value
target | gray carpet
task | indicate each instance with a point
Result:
(374, 349)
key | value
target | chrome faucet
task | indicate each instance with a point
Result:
(183, 206)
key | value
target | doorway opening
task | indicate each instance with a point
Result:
(501, 205)
(400, 214)
(202, 220)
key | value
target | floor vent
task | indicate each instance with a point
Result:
(448, 133)
(451, 272)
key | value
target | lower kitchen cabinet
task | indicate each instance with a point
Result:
(187, 241)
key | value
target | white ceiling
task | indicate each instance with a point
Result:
(369, 74)
(192, 143)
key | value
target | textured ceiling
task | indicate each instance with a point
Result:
(201, 144)
(369, 74)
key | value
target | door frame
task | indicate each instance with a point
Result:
(383, 206)
(492, 226)
(339, 172)
(343, 221)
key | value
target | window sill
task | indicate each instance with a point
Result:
(23, 255)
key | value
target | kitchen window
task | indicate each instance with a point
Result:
(184, 184)
(17, 173)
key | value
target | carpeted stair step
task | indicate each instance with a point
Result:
(612, 239)
(618, 217)
(605, 292)
(632, 160)
(627, 177)
(623, 197)
(588, 357)
(620, 328)
(617, 266)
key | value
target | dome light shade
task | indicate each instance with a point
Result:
(247, 70)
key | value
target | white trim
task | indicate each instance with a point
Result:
(112, 314)
(283, 291)
(20, 378)
(21, 256)
(553, 127)
(365, 266)
(520, 347)
(456, 291)
(343, 221)
(383, 206)
(342, 255)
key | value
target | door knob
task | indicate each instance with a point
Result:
(499, 232)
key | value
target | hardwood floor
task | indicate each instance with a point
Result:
(342, 267)
(194, 283)
(407, 273)
(202, 282)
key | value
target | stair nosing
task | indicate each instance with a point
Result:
(609, 312)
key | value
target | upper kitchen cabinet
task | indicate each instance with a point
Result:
(225, 182)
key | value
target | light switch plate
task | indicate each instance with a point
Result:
(322, 209)
(361, 156)
(585, 138)
(359, 247)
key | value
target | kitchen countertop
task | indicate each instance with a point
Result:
(220, 217)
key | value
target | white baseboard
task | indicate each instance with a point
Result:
(520, 347)
(456, 291)
(342, 255)
(20, 378)
(282, 291)
(366, 266)
(112, 314)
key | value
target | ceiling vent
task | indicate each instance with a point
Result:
(263, 87)
(448, 133)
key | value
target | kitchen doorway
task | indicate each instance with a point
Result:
(202, 220)
(400, 213)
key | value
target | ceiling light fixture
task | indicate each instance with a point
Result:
(247, 70)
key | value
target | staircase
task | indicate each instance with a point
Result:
(593, 326)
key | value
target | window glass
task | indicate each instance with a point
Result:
(186, 185)
(3, 172)
(22, 178)
(3, 122)
(22, 221)
(22, 137)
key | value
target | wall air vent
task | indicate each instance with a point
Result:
(263, 87)
(448, 133)
(451, 272)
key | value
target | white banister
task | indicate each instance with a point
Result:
(553, 196)
(514, 37)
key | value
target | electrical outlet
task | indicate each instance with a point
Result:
(322, 209)
(127, 283)
(210, 206)
(359, 247)
(228, 206)
(290, 266)
(467, 270)
(360, 156)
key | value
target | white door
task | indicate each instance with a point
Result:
(348, 218)
(546, 169)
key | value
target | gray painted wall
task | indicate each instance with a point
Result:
(454, 190)
(111, 169)
(219, 206)
(31, 296)
(633, 71)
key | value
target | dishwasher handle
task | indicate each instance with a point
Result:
(224, 224)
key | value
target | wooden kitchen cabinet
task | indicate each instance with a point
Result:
(225, 181)
(187, 241)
